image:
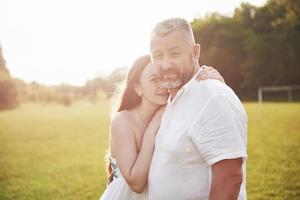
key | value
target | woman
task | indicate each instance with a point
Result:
(133, 130)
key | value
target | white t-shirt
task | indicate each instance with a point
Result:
(205, 123)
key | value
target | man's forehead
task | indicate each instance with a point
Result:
(169, 48)
(173, 40)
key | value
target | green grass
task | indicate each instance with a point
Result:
(273, 167)
(55, 152)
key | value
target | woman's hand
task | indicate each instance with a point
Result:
(155, 122)
(208, 72)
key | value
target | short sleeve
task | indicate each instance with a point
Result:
(219, 131)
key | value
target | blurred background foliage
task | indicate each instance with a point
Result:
(257, 46)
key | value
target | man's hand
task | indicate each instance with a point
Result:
(227, 176)
(208, 72)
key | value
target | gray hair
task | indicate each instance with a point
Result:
(167, 26)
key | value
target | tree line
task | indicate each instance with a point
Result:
(258, 46)
(14, 91)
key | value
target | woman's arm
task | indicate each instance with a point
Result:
(134, 166)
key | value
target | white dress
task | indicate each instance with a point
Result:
(118, 189)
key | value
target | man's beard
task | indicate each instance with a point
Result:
(170, 84)
(172, 79)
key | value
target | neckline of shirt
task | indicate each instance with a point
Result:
(183, 88)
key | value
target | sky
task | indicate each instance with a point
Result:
(71, 41)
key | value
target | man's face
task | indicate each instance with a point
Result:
(173, 56)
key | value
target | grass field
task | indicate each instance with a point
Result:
(57, 153)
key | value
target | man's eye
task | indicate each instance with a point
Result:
(158, 56)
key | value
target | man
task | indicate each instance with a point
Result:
(200, 148)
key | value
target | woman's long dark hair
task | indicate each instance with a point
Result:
(125, 96)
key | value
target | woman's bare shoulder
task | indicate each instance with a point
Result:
(121, 122)
(121, 117)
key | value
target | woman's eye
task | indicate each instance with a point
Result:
(154, 80)
(158, 56)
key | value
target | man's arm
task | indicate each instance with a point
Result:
(227, 176)
(222, 145)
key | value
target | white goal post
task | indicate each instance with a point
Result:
(289, 90)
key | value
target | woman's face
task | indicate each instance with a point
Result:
(149, 87)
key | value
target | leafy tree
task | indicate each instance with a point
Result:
(257, 46)
(8, 90)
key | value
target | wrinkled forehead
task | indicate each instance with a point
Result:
(174, 37)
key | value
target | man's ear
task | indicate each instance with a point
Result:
(138, 89)
(196, 52)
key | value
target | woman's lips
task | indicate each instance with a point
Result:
(162, 92)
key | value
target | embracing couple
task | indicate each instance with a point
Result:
(179, 133)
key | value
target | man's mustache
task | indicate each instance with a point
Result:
(168, 72)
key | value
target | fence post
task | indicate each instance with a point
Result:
(260, 95)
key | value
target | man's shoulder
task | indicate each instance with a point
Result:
(218, 98)
(197, 94)
(208, 88)
(212, 91)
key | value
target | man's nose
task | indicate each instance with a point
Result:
(166, 64)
